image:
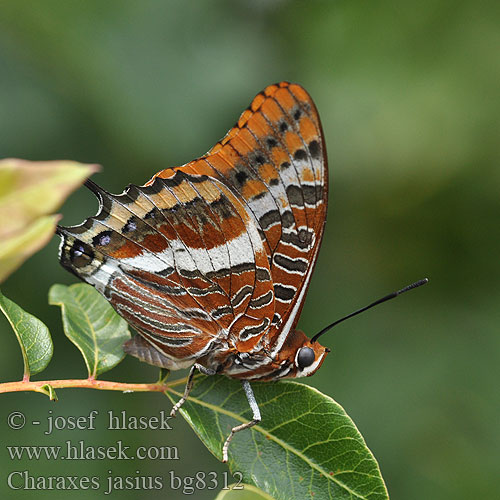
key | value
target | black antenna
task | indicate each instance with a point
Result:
(379, 301)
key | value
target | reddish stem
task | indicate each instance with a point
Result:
(88, 383)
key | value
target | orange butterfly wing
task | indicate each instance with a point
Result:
(274, 160)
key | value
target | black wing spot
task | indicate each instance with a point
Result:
(271, 142)
(260, 159)
(314, 149)
(295, 195)
(241, 177)
(287, 219)
(297, 114)
(269, 218)
(283, 292)
(300, 154)
(283, 126)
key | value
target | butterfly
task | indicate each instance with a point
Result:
(210, 262)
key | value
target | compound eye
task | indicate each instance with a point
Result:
(305, 357)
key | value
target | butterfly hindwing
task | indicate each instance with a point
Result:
(180, 259)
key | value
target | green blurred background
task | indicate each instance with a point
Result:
(408, 95)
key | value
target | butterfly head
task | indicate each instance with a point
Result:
(304, 357)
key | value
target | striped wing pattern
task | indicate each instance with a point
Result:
(213, 258)
(274, 158)
(180, 260)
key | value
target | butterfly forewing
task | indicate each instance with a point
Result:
(275, 160)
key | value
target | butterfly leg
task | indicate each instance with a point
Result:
(189, 385)
(255, 419)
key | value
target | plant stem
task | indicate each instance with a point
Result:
(87, 383)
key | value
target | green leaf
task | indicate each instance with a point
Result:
(17, 247)
(305, 447)
(92, 325)
(30, 189)
(33, 337)
(29, 193)
(243, 492)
